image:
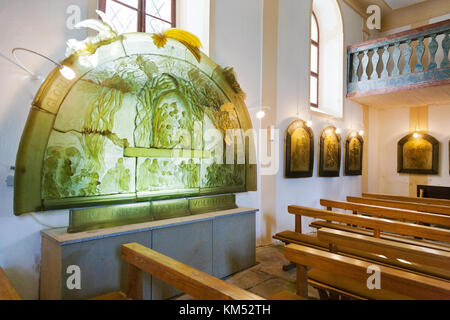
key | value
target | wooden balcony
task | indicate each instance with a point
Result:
(409, 68)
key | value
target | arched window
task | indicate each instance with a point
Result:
(314, 66)
(327, 58)
(140, 15)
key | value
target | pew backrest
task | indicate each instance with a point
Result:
(191, 281)
(377, 224)
(439, 209)
(393, 213)
(406, 253)
(439, 202)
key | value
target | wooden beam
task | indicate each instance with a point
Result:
(390, 249)
(379, 211)
(403, 228)
(402, 205)
(197, 284)
(7, 291)
(439, 202)
(403, 282)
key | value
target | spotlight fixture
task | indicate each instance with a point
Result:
(309, 123)
(260, 114)
(353, 134)
(338, 130)
(361, 132)
(416, 135)
(65, 71)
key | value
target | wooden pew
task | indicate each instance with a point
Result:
(391, 213)
(193, 282)
(439, 209)
(7, 291)
(410, 254)
(439, 202)
(397, 281)
(376, 224)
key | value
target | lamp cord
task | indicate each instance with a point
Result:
(20, 64)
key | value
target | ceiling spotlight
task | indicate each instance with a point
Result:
(361, 132)
(416, 135)
(65, 71)
(338, 130)
(260, 114)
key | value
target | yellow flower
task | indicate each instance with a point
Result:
(159, 39)
(190, 41)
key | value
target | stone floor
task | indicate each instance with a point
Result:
(267, 277)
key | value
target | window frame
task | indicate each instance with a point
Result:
(311, 73)
(142, 14)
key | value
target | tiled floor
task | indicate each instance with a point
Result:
(267, 277)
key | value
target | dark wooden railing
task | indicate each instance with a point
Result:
(385, 64)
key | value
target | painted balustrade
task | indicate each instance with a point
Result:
(413, 58)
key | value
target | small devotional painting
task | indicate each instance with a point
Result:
(353, 154)
(299, 150)
(329, 153)
(418, 153)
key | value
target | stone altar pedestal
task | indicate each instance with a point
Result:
(220, 243)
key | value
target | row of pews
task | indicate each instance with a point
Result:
(406, 239)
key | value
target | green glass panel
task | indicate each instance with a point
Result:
(133, 124)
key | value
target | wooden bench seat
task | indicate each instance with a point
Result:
(393, 280)
(439, 209)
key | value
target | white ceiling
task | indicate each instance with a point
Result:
(395, 4)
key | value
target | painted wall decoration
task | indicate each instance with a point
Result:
(132, 126)
(353, 154)
(299, 150)
(329, 153)
(418, 153)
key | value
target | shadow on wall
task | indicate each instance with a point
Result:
(25, 278)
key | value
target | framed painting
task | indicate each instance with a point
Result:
(353, 154)
(329, 153)
(299, 150)
(418, 153)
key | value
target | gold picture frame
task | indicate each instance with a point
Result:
(354, 145)
(299, 150)
(329, 153)
(418, 153)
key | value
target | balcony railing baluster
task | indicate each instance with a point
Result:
(407, 53)
(395, 76)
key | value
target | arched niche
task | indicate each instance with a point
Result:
(354, 145)
(329, 153)
(108, 136)
(299, 150)
(418, 153)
